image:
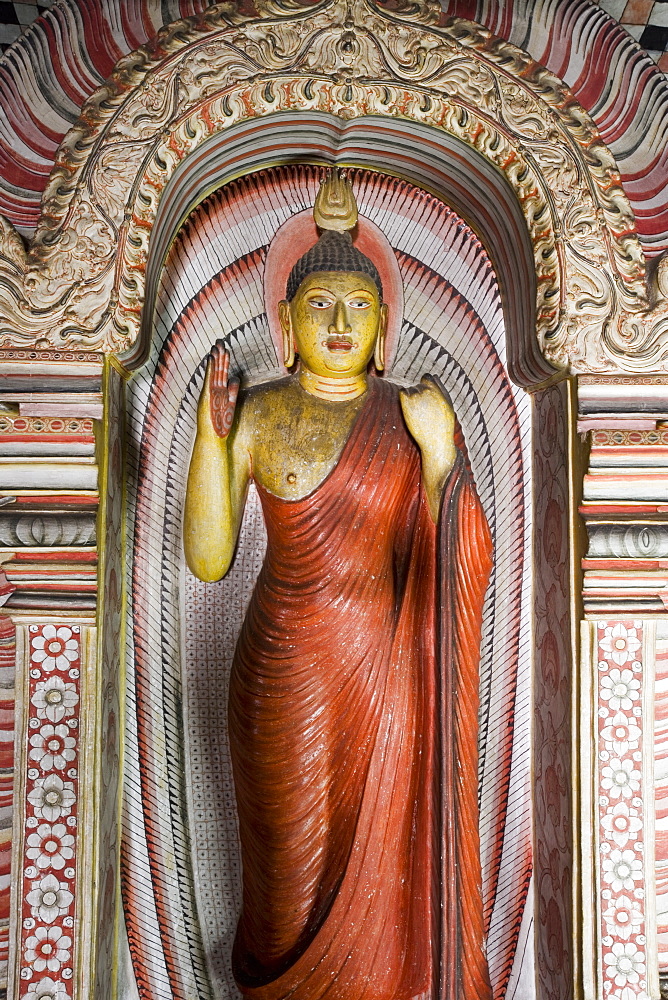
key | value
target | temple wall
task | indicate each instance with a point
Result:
(513, 162)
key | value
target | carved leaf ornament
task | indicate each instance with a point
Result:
(82, 282)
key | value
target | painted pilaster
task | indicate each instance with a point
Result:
(625, 591)
(50, 851)
(617, 783)
(61, 488)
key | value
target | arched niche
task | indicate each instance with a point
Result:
(179, 905)
(180, 812)
(438, 162)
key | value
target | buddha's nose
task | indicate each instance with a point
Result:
(340, 324)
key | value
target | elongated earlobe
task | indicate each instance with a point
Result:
(286, 330)
(288, 351)
(379, 350)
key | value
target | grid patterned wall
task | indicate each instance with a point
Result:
(646, 21)
(16, 16)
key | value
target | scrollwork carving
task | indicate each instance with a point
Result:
(644, 334)
(82, 280)
(518, 112)
(12, 251)
(420, 11)
(342, 54)
(280, 8)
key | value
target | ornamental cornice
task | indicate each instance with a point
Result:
(81, 283)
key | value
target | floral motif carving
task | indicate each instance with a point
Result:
(50, 898)
(49, 869)
(620, 796)
(82, 282)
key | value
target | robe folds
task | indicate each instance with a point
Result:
(353, 728)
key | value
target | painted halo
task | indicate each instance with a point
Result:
(298, 235)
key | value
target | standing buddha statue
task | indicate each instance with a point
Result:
(354, 689)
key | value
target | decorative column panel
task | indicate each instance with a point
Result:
(625, 507)
(51, 760)
(60, 529)
(7, 673)
(553, 806)
(105, 803)
(617, 781)
(661, 787)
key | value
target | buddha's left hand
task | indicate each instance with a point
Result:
(431, 421)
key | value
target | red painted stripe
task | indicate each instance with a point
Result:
(55, 557)
(57, 500)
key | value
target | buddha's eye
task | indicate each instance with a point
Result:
(359, 303)
(320, 302)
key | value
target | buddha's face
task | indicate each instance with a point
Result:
(336, 320)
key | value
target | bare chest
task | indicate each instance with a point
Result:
(294, 450)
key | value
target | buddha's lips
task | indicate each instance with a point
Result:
(339, 344)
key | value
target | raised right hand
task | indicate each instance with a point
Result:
(222, 391)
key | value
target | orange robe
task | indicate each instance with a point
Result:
(353, 728)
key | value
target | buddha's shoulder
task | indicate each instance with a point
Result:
(266, 395)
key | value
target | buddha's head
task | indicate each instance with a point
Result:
(333, 314)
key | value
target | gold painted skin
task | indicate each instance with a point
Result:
(289, 434)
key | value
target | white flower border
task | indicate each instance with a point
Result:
(48, 938)
(622, 808)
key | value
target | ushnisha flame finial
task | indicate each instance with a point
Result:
(335, 207)
(335, 214)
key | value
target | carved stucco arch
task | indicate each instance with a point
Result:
(82, 282)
